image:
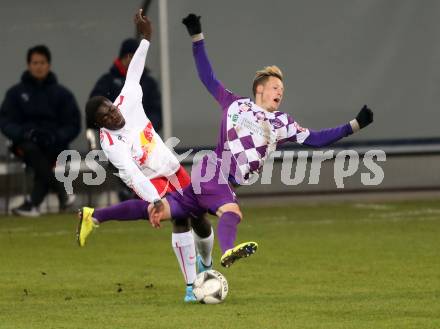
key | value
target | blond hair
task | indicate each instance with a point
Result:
(263, 75)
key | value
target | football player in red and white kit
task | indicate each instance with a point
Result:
(146, 165)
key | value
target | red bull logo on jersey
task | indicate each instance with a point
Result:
(147, 142)
(147, 134)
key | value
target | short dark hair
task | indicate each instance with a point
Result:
(39, 49)
(92, 106)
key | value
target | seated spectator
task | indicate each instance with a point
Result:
(110, 85)
(41, 118)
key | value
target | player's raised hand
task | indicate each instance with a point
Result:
(192, 23)
(143, 25)
(364, 117)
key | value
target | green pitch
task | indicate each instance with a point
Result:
(319, 266)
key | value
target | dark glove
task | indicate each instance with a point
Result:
(192, 23)
(42, 138)
(364, 117)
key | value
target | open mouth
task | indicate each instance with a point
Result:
(277, 100)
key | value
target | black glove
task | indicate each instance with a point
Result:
(192, 23)
(364, 117)
(42, 138)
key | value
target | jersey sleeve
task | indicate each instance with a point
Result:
(293, 132)
(206, 74)
(289, 130)
(119, 155)
(137, 64)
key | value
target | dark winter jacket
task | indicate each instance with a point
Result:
(111, 83)
(45, 106)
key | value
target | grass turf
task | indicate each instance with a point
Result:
(319, 266)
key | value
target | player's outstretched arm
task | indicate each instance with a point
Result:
(328, 136)
(204, 68)
(137, 64)
(324, 137)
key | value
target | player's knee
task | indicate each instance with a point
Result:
(239, 214)
(230, 207)
(201, 226)
(180, 225)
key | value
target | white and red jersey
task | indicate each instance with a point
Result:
(136, 150)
